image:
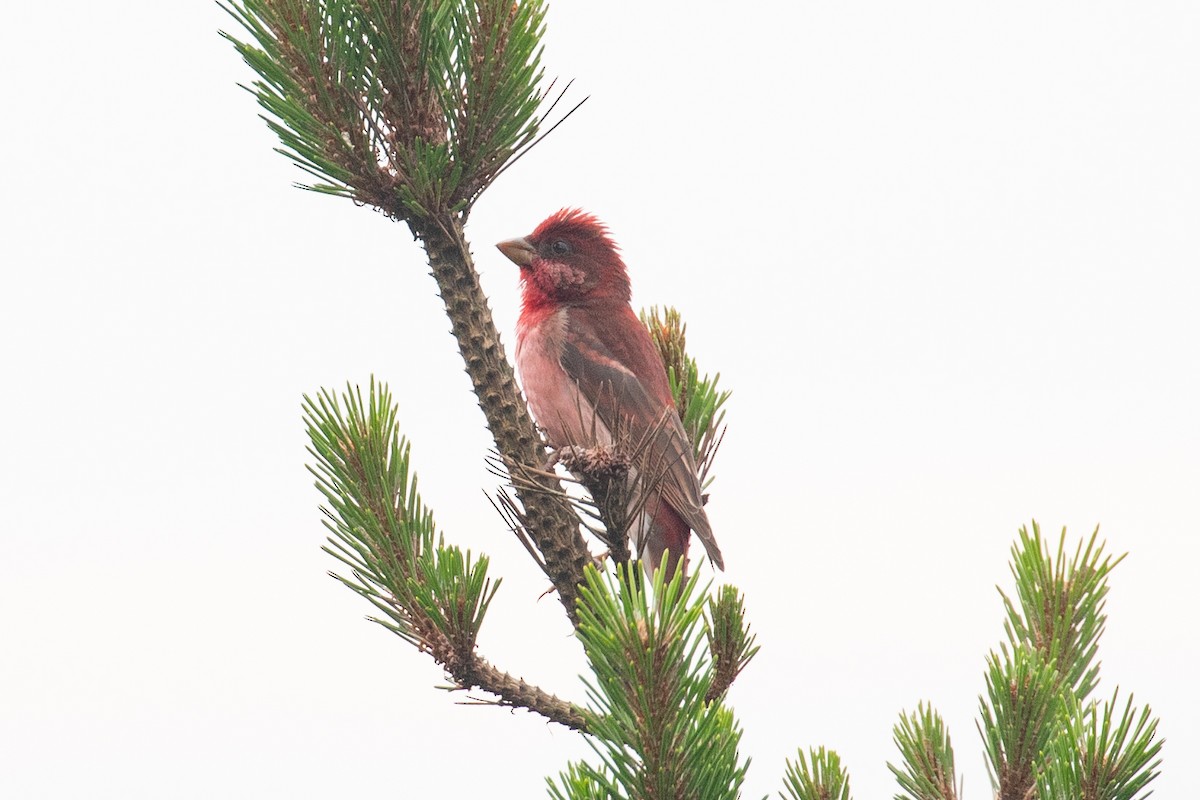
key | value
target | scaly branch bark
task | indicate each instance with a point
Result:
(553, 528)
(516, 693)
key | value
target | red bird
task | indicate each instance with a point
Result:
(589, 367)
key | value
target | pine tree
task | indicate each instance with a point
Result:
(415, 107)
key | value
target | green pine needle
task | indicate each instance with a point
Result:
(820, 776)
(928, 769)
(654, 730)
(699, 402)
(1037, 727)
(730, 642)
(430, 594)
(412, 106)
(1100, 756)
(1018, 714)
(1060, 605)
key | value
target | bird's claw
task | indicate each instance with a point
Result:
(571, 451)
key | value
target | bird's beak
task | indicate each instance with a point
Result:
(519, 251)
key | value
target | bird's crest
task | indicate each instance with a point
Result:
(576, 222)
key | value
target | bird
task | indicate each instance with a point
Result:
(589, 369)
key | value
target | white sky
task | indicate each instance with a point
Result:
(945, 254)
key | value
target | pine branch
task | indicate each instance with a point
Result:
(1049, 662)
(516, 693)
(820, 776)
(411, 106)
(657, 735)
(431, 595)
(1040, 738)
(1099, 756)
(729, 640)
(553, 529)
(1061, 605)
(697, 398)
(583, 782)
(924, 743)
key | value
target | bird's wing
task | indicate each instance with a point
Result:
(605, 366)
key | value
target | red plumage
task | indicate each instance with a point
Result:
(588, 367)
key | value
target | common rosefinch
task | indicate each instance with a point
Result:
(590, 369)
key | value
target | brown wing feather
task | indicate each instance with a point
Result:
(618, 371)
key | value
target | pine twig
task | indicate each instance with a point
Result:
(432, 595)
(820, 776)
(516, 693)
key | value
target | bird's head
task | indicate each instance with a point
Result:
(569, 258)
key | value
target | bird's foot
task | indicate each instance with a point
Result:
(565, 456)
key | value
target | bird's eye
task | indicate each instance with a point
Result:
(561, 248)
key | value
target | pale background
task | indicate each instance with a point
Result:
(945, 254)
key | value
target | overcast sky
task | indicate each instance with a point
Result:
(944, 254)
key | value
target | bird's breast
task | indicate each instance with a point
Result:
(554, 398)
